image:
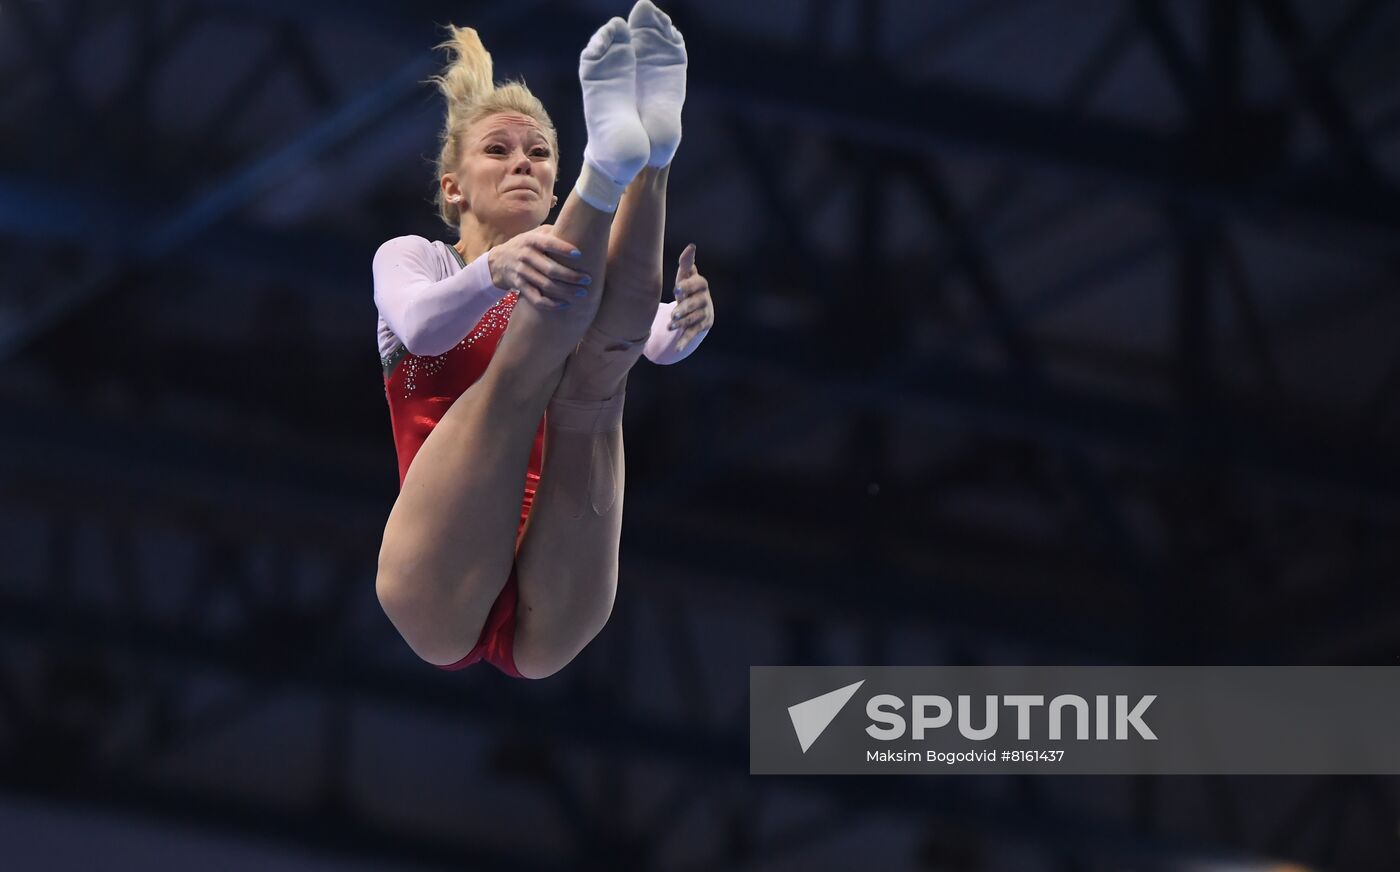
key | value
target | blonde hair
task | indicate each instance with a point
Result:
(472, 95)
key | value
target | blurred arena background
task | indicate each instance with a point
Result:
(1047, 332)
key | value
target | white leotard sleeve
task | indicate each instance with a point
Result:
(428, 305)
(661, 345)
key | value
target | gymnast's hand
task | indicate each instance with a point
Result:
(533, 264)
(695, 310)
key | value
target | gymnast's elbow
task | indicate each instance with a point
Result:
(420, 337)
(421, 346)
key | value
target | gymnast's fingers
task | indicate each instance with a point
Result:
(543, 238)
(687, 321)
(691, 285)
(537, 298)
(689, 337)
(689, 303)
(552, 268)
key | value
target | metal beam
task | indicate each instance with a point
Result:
(867, 102)
(857, 99)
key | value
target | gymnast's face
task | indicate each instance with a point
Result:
(506, 177)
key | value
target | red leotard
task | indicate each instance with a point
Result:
(420, 390)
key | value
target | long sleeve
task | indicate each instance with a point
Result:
(427, 314)
(661, 344)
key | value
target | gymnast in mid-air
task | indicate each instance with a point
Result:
(506, 355)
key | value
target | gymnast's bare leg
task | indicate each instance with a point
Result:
(567, 565)
(568, 558)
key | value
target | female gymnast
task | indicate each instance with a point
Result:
(520, 321)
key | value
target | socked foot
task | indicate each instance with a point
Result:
(617, 141)
(661, 65)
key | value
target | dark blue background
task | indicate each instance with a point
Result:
(1047, 332)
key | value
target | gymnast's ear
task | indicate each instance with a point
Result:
(452, 192)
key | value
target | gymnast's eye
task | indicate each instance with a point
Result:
(540, 151)
(495, 148)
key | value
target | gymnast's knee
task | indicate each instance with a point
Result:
(438, 633)
(536, 667)
(537, 657)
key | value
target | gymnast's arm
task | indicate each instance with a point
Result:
(429, 315)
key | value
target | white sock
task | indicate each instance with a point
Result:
(617, 142)
(661, 60)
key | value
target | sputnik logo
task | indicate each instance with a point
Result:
(811, 718)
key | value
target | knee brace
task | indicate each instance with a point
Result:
(584, 436)
(600, 361)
